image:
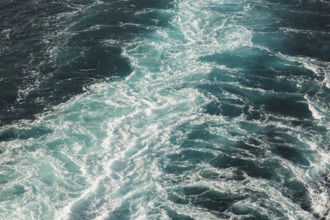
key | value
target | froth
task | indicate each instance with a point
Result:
(146, 147)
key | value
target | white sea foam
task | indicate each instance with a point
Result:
(316, 114)
(107, 146)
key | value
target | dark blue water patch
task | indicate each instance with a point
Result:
(256, 63)
(280, 142)
(291, 106)
(236, 175)
(69, 77)
(256, 103)
(272, 133)
(176, 216)
(262, 198)
(224, 109)
(199, 133)
(260, 75)
(298, 29)
(279, 85)
(303, 14)
(286, 146)
(306, 124)
(189, 157)
(296, 44)
(250, 167)
(96, 62)
(177, 167)
(193, 156)
(9, 89)
(197, 144)
(223, 76)
(253, 146)
(115, 14)
(25, 24)
(213, 201)
(250, 212)
(297, 191)
(177, 163)
(23, 134)
(18, 39)
(229, 108)
(291, 153)
(293, 189)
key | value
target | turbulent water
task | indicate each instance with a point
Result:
(158, 109)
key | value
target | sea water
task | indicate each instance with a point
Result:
(183, 109)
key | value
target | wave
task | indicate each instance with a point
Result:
(212, 122)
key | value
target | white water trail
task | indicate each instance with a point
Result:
(106, 146)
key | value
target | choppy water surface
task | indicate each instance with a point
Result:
(214, 109)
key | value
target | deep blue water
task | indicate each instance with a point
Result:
(183, 109)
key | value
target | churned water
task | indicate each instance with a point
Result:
(183, 109)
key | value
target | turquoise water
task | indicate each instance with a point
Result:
(203, 110)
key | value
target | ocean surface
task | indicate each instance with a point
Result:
(164, 109)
